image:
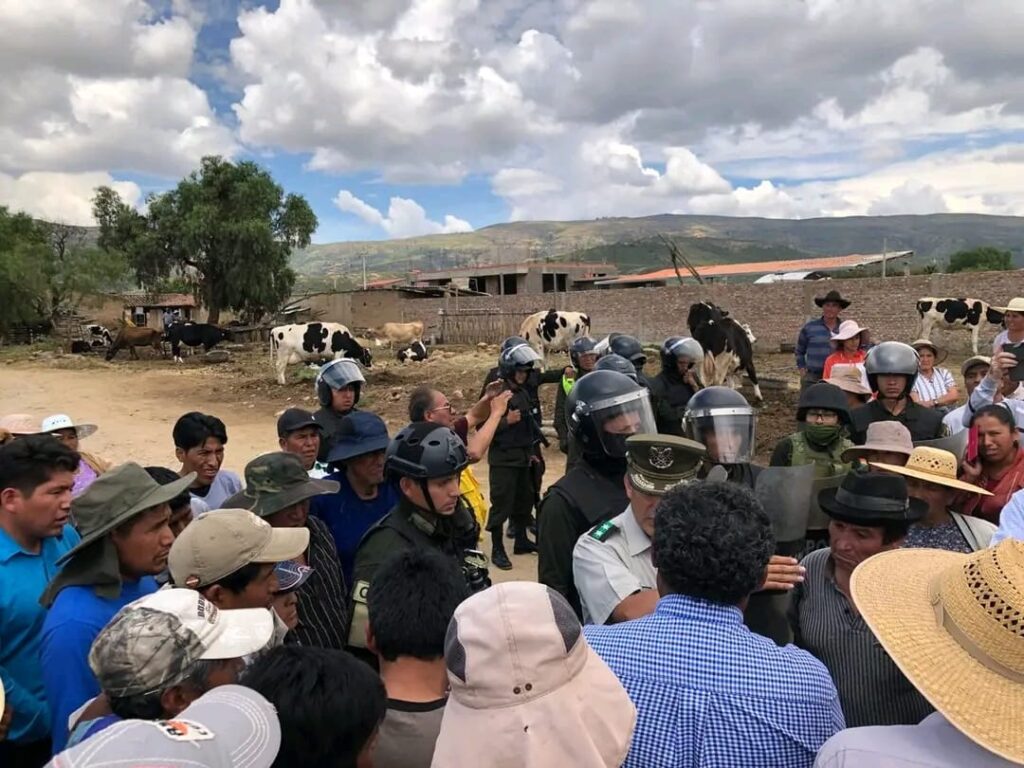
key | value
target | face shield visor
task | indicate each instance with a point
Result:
(521, 356)
(338, 374)
(616, 418)
(727, 433)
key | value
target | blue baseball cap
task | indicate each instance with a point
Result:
(360, 432)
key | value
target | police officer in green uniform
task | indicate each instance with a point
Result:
(612, 565)
(604, 408)
(426, 459)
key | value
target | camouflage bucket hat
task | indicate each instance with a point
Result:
(276, 481)
(658, 463)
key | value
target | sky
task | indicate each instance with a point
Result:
(397, 118)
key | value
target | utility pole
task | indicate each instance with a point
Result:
(364, 270)
(885, 250)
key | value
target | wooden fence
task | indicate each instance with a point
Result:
(473, 326)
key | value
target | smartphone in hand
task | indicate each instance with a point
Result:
(972, 445)
(1017, 350)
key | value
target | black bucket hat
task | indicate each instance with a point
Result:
(872, 499)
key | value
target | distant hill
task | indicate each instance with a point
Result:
(633, 244)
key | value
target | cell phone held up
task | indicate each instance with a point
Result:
(1017, 350)
(971, 454)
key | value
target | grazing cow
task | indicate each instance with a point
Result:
(97, 336)
(304, 342)
(194, 335)
(132, 336)
(398, 333)
(554, 330)
(727, 346)
(969, 314)
(416, 352)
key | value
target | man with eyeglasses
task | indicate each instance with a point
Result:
(822, 438)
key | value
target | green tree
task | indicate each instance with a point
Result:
(23, 245)
(228, 227)
(983, 259)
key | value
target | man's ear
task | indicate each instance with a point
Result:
(406, 485)
(179, 454)
(214, 593)
(9, 498)
(280, 443)
(175, 699)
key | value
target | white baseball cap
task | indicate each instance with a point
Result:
(61, 421)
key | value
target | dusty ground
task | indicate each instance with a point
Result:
(135, 403)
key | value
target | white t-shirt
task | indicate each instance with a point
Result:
(954, 420)
(932, 389)
(225, 485)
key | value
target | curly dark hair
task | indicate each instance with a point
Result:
(712, 541)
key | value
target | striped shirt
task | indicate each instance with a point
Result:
(872, 690)
(938, 385)
(814, 345)
(709, 692)
(323, 611)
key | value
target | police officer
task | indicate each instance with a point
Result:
(583, 358)
(338, 387)
(603, 408)
(723, 421)
(617, 363)
(611, 564)
(892, 369)
(427, 460)
(677, 382)
(630, 348)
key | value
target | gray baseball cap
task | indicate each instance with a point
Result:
(227, 727)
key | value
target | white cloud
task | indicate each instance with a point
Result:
(63, 197)
(405, 217)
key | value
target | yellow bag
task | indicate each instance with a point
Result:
(469, 490)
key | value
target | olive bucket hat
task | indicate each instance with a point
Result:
(276, 481)
(115, 498)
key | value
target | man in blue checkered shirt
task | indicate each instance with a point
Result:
(710, 693)
(814, 343)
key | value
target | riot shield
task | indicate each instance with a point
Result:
(817, 520)
(785, 494)
(955, 444)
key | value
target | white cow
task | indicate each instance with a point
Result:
(398, 333)
(306, 342)
(949, 313)
(553, 330)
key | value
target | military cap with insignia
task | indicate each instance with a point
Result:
(658, 463)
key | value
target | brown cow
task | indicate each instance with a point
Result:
(132, 337)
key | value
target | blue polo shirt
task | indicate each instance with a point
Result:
(349, 517)
(23, 578)
(75, 618)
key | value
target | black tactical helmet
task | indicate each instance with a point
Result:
(677, 348)
(516, 356)
(599, 397)
(894, 358)
(335, 375)
(581, 346)
(512, 341)
(714, 399)
(630, 348)
(613, 362)
(724, 413)
(424, 450)
(825, 396)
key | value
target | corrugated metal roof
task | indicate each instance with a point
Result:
(144, 299)
(821, 264)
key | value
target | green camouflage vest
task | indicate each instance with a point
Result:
(827, 461)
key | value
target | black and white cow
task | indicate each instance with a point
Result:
(727, 346)
(415, 352)
(553, 330)
(97, 336)
(194, 335)
(969, 314)
(305, 342)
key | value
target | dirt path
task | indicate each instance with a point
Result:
(136, 408)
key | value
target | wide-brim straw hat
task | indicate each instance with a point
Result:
(951, 623)
(1016, 305)
(847, 330)
(60, 421)
(932, 465)
(940, 354)
(20, 424)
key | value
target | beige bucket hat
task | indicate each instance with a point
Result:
(951, 622)
(524, 682)
(940, 354)
(932, 465)
(974, 362)
(884, 437)
(848, 378)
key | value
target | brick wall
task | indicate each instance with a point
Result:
(775, 312)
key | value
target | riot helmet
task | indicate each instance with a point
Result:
(336, 375)
(826, 397)
(613, 362)
(630, 348)
(516, 357)
(512, 341)
(423, 451)
(584, 345)
(722, 419)
(893, 358)
(676, 348)
(604, 408)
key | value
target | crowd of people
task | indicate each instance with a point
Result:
(856, 602)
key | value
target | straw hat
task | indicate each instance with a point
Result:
(847, 330)
(61, 421)
(940, 355)
(849, 378)
(933, 466)
(19, 424)
(1016, 305)
(951, 622)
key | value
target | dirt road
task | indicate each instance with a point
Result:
(136, 408)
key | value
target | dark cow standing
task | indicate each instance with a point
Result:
(968, 314)
(726, 343)
(306, 342)
(415, 352)
(194, 335)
